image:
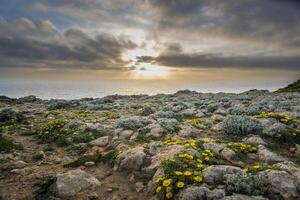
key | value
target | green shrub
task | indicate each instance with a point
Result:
(108, 157)
(244, 184)
(112, 114)
(241, 125)
(55, 104)
(212, 108)
(55, 131)
(165, 114)
(44, 188)
(82, 137)
(77, 149)
(83, 159)
(145, 111)
(8, 145)
(131, 123)
(169, 125)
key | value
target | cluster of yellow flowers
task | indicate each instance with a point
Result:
(178, 181)
(112, 114)
(83, 115)
(188, 143)
(257, 168)
(185, 168)
(207, 155)
(196, 122)
(242, 147)
(280, 116)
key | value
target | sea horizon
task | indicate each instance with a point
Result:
(58, 89)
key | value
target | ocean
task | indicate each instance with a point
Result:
(81, 89)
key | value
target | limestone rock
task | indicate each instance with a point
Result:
(214, 173)
(200, 193)
(243, 197)
(131, 159)
(214, 147)
(70, 183)
(163, 153)
(267, 156)
(101, 141)
(254, 140)
(279, 182)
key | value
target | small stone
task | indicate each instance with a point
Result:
(292, 149)
(267, 156)
(57, 161)
(109, 190)
(20, 164)
(254, 140)
(18, 171)
(89, 164)
(101, 142)
(139, 186)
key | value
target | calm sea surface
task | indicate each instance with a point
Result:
(80, 89)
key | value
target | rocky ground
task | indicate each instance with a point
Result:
(186, 146)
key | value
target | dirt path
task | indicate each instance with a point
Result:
(115, 185)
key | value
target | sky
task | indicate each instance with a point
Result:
(208, 40)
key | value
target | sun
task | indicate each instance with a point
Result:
(149, 71)
(146, 70)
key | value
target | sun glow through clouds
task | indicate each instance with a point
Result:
(149, 71)
(145, 70)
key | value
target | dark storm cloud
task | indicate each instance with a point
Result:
(174, 56)
(28, 42)
(220, 61)
(267, 22)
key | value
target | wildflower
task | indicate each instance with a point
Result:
(199, 161)
(206, 158)
(167, 182)
(181, 156)
(159, 179)
(187, 173)
(245, 170)
(168, 189)
(199, 165)
(180, 184)
(169, 195)
(256, 167)
(178, 173)
(198, 178)
(204, 154)
(158, 189)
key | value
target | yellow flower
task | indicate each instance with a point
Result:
(206, 158)
(168, 189)
(158, 189)
(199, 161)
(198, 178)
(199, 166)
(159, 179)
(245, 170)
(181, 156)
(187, 173)
(178, 173)
(204, 154)
(256, 167)
(180, 184)
(167, 182)
(169, 195)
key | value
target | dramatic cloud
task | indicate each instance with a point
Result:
(220, 61)
(28, 43)
(256, 22)
(90, 33)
